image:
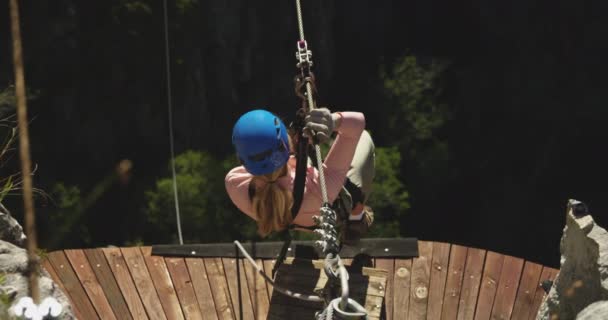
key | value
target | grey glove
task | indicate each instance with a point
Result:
(322, 122)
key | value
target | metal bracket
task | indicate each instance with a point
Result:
(303, 55)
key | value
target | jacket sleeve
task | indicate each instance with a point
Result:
(237, 185)
(340, 155)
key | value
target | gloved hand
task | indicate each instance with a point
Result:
(322, 122)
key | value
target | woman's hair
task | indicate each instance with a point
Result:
(271, 203)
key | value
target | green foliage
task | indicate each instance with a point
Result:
(207, 214)
(411, 88)
(69, 212)
(417, 124)
(7, 101)
(184, 5)
(389, 198)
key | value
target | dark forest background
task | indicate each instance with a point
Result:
(489, 114)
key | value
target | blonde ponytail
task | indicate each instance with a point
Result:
(271, 203)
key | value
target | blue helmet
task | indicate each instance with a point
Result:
(261, 142)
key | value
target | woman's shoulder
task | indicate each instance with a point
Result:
(237, 173)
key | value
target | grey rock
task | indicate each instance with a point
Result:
(10, 229)
(595, 311)
(583, 276)
(13, 264)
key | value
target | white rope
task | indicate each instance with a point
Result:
(305, 297)
(170, 107)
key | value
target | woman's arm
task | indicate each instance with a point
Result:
(338, 161)
(237, 185)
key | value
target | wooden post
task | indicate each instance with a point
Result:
(24, 152)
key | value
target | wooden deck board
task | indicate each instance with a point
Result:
(389, 266)
(257, 290)
(471, 282)
(200, 282)
(238, 281)
(419, 294)
(438, 276)
(125, 282)
(445, 282)
(527, 288)
(46, 264)
(144, 284)
(401, 288)
(489, 285)
(507, 288)
(72, 285)
(164, 285)
(108, 283)
(184, 288)
(91, 285)
(219, 288)
(453, 286)
(268, 265)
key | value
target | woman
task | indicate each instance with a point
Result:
(262, 186)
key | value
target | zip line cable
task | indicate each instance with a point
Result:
(170, 111)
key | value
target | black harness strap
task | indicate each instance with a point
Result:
(298, 185)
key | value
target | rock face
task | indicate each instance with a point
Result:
(596, 310)
(583, 275)
(10, 229)
(14, 268)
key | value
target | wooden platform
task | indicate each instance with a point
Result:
(444, 282)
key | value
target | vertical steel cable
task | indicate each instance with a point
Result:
(170, 111)
(300, 21)
(311, 106)
(24, 152)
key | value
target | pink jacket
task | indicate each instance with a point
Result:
(336, 165)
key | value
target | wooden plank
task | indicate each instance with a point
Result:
(219, 288)
(375, 283)
(146, 251)
(183, 286)
(451, 298)
(439, 273)
(507, 288)
(141, 277)
(72, 285)
(420, 281)
(87, 278)
(257, 290)
(200, 282)
(401, 292)
(102, 271)
(268, 265)
(489, 285)
(233, 284)
(527, 288)
(125, 282)
(378, 247)
(470, 283)
(389, 266)
(46, 264)
(164, 285)
(539, 295)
